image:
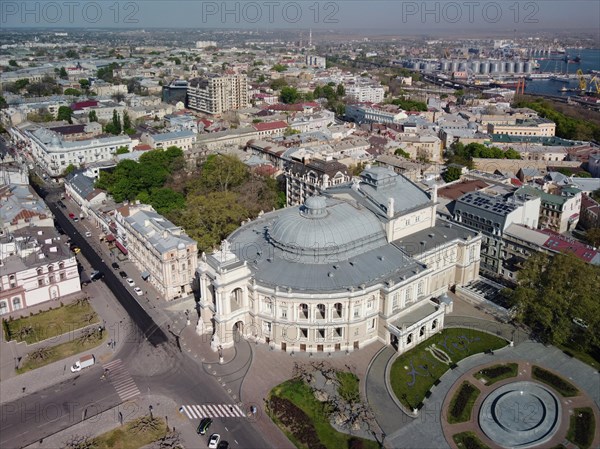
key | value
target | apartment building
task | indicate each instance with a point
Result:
(183, 139)
(559, 211)
(304, 180)
(363, 93)
(371, 113)
(163, 252)
(37, 266)
(525, 127)
(491, 213)
(215, 94)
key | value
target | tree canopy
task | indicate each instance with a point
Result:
(65, 113)
(289, 95)
(552, 292)
(452, 174)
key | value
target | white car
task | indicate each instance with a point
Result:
(214, 441)
(138, 291)
(130, 282)
(88, 234)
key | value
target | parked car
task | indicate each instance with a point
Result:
(71, 215)
(214, 441)
(115, 265)
(138, 291)
(223, 445)
(130, 282)
(203, 426)
(83, 362)
(88, 234)
(75, 249)
(75, 219)
(122, 274)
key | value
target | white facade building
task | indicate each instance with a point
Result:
(339, 272)
(372, 94)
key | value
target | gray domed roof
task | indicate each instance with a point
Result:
(324, 227)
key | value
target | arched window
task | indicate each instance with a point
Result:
(236, 296)
(61, 266)
(50, 268)
(409, 339)
(422, 331)
(337, 307)
(321, 311)
(16, 303)
(3, 307)
(434, 324)
(303, 311)
(40, 271)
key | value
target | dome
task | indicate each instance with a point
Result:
(324, 227)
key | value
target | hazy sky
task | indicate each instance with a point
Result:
(399, 15)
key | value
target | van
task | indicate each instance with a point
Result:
(83, 362)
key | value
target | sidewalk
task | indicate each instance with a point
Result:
(96, 425)
(105, 305)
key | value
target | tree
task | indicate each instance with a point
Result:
(122, 150)
(13, 63)
(551, 292)
(289, 95)
(222, 172)
(92, 116)
(512, 154)
(114, 127)
(401, 152)
(596, 195)
(84, 83)
(278, 84)
(592, 236)
(20, 84)
(3, 103)
(70, 169)
(452, 174)
(65, 113)
(71, 91)
(72, 54)
(340, 90)
(279, 68)
(63, 73)
(127, 123)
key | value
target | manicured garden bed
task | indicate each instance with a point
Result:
(462, 403)
(496, 373)
(468, 440)
(45, 356)
(558, 383)
(582, 427)
(305, 420)
(50, 323)
(132, 435)
(414, 372)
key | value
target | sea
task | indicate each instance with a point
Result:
(590, 60)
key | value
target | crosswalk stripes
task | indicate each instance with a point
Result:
(120, 378)
(200, 411)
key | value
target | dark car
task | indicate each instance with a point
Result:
(203, 426)
(115, 265)
(95, 275)
(122, 274)
(223, 445)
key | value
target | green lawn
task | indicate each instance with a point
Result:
(468, 440)
(313, 422)
(496, 373)
(414, 372)
(558, 383)
(127, 437)
(582, 427)
(462, 403)
(50, 323)
(62, 351)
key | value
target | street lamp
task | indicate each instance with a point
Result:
(150, 410)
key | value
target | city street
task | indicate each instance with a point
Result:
(148, 361)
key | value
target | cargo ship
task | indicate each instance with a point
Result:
(507, 84)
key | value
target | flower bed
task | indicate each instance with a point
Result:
(496, 373)
(558, 383)
(582, 427)
(462, 403)
(468, 440)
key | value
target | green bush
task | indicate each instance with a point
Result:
(558, 383)
(582, 427)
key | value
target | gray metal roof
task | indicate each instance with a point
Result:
(82, 184)
(359, 255)
(422, 310)
(435, 237)
(158, 231)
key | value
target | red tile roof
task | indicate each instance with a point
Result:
(563, 244)
(279, 124)
(83, 104)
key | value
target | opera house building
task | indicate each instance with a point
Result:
(366, 261)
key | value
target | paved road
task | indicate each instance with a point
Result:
(149, 355)
(40, 414)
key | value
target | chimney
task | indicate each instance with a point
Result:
(390, 208)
